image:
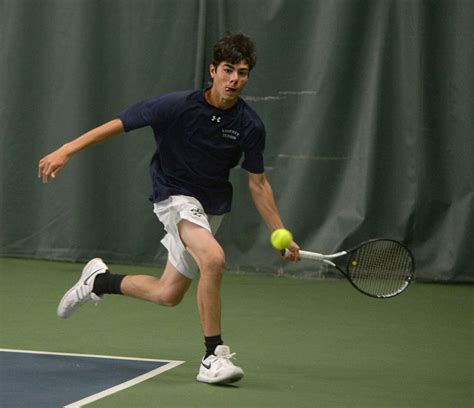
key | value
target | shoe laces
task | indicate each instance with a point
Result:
(227, 358)
(230, 356)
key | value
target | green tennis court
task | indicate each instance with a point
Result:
(302, 343)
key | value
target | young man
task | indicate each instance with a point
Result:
(200, 136)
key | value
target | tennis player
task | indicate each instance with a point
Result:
(200, 136)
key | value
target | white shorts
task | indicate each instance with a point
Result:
(170, 212)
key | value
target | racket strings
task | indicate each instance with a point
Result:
(380, 268)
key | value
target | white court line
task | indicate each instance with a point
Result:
(94, 397)
(124, 385)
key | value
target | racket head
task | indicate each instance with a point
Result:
(380, 268)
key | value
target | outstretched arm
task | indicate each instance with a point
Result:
(264, 200)
(50, 165)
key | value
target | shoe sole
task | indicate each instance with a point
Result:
(231, 379)
(65, 316)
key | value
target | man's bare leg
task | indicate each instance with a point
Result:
(216, 366)
(168, 290)
(210, 258)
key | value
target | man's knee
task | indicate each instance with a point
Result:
(213, 264)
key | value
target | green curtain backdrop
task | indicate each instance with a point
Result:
(368, 107)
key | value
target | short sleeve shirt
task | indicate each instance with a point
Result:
(197, 145)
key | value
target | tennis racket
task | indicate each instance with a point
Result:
(380, 268)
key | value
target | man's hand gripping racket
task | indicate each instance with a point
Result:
(380, 268)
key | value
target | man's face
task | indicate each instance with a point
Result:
(229, 79)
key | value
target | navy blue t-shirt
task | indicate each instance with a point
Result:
(197, 145)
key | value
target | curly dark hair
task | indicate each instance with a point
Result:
(234, 48)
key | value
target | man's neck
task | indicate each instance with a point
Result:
(215, 100)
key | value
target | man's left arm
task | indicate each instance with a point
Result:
(264, 200)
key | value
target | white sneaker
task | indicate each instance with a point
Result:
(218, 368)
(81, 292)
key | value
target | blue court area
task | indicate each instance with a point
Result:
(33, 379)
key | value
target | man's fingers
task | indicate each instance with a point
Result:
(290, 255)
(40, 168)
(50, 174)
(44, 171)
(48, 169)
(45, 177)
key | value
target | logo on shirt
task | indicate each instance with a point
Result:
(216, 119)
(230, 134)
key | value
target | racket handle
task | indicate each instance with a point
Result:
(305, 255)
(315, 256)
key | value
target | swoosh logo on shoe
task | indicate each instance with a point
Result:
(207, 366)
(92, 274)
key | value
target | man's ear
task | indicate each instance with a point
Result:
(212, 70)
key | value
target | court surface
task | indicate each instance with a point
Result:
(301, 343)
(71, 380)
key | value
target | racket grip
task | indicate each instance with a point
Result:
(307, 255)
(304, 254)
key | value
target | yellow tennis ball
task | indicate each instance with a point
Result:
(281, 238)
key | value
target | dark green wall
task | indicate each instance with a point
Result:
(368, 107)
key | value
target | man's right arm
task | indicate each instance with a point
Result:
(50, 165)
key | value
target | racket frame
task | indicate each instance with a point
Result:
(327, 259)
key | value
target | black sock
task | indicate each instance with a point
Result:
(211, 343)
(108, 283)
